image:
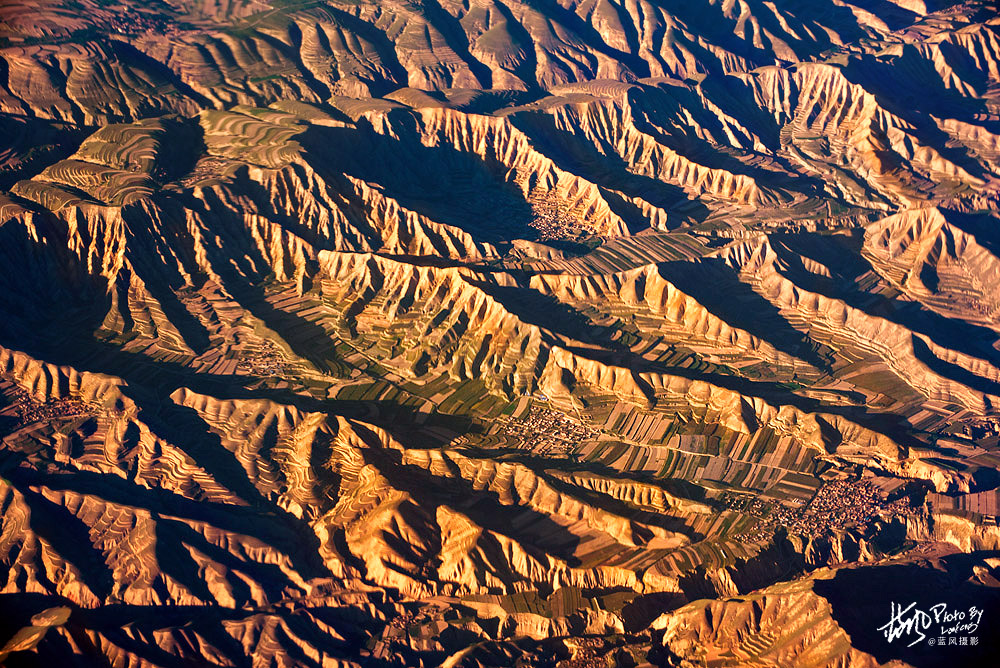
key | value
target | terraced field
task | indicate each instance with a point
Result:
(501, 334)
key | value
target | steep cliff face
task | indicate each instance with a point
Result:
(936, 256)
(786, 624)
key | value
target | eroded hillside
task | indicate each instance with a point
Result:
(494, 334)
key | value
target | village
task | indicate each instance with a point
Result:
(837, 505)
(22, 409)
(130, 22)
(265, 361)
(552, 218)
(544, 432)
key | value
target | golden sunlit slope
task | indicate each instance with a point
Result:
(225, 53)
(422, 334)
